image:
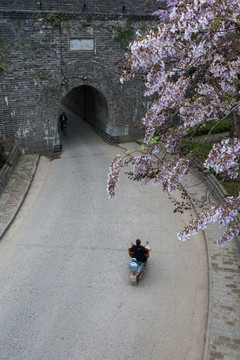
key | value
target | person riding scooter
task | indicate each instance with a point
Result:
(139, 252)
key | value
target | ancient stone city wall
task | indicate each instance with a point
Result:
(68, 52)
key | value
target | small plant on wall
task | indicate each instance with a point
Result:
(39, 5)
(4, 56)
(53, 19)
(124, 35)
(68, 27)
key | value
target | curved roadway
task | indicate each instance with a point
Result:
(64, 280)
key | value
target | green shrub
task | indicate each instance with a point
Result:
(232, 187)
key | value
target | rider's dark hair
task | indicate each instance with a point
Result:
(138, 242)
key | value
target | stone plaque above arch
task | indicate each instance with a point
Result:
(82, 44)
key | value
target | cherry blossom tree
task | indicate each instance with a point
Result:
(191, 65)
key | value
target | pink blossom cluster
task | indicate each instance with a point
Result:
(192, 63)
(196, 225)
(171, 174)
(113, 177)
(227, 212)
(225, 157)
(141, 165)
(225, 215)
(229, 234)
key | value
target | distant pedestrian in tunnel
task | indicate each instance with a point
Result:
(62, 118)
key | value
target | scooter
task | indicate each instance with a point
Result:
(137, 268)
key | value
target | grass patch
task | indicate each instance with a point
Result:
(222, 127)
(232, 187)
(200, 150)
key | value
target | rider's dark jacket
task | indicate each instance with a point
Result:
(139, 252)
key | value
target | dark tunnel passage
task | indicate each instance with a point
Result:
(88, 103)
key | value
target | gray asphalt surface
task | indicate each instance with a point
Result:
(65, 286)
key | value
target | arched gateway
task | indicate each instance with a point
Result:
(89, 103)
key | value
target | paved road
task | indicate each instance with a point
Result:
(65, 289)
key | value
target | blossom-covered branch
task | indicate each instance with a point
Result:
(225, 215)
(192, 63)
